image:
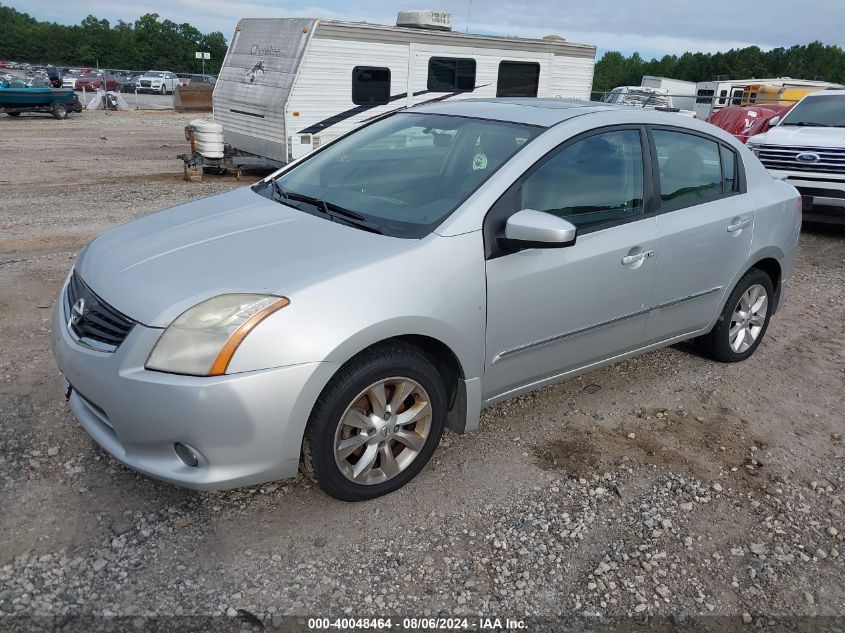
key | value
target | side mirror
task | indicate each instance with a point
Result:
(534, 229)
(774, 121)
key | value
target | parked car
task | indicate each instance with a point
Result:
(95, 81)
(645, 97)
(429, 264)
(807, 147)
(160, 81)
(198, 79)
(69, 79)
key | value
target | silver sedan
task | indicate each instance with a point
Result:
(337, 315)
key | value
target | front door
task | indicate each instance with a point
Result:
(551, 310)
(704, 227)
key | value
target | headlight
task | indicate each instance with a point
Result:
(203, 339)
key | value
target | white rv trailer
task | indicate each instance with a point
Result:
(288, 85)
(712, 96)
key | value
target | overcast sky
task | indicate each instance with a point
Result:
(652, 27)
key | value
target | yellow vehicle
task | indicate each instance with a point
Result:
(762, 94)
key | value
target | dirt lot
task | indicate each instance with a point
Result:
(666, 485)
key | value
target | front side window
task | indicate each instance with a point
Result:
(370, 85)
(451, 74)
(402, 175)
(593, 181)
(518, 79)
(690, 169)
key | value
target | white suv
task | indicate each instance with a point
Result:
(160, 81)
(808, 147)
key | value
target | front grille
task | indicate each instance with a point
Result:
(831, 160)
(94, 321)
(145, 83)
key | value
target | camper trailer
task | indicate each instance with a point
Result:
(290, 85)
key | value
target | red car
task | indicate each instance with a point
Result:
(94, 81)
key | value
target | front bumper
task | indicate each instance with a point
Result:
(244, 428)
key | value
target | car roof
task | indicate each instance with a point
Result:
(528, 110)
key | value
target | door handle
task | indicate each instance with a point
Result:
(738, 225)
(633, 259)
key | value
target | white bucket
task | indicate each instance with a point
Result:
(208, 137)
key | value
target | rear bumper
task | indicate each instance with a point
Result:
(823, 199)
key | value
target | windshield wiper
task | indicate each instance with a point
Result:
(330, 209)
(278, 188)
(807, 124)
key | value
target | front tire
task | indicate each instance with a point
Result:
(376, 424)
(744, 320)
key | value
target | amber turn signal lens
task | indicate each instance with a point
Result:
(221, 363)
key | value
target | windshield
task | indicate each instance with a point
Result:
(818, 111)
(401, 175)
(154, 74)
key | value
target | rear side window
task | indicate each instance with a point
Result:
(596, 180)
(730, 183)
(370, 85)
(690, 169)
(451, 74)
(518, 79)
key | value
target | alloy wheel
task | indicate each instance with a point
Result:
(748, 318)
(383, 430)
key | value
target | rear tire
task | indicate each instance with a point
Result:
(743, 321)
(393, 440)
(59, 110)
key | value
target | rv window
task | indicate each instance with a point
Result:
(737, 94)
(518, 79)
(705, 96)
(449, 74)
(370, 85)
(723, 94)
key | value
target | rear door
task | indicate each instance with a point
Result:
(705, 220)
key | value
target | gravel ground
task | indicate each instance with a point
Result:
(667, 485)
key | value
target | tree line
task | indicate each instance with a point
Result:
(147, 43)
(808, 61)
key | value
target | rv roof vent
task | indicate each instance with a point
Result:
(437, 20)
(553, 38)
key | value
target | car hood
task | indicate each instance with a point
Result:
(155, 268)
(802, 136)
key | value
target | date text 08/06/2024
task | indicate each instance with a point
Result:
(416, 624)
